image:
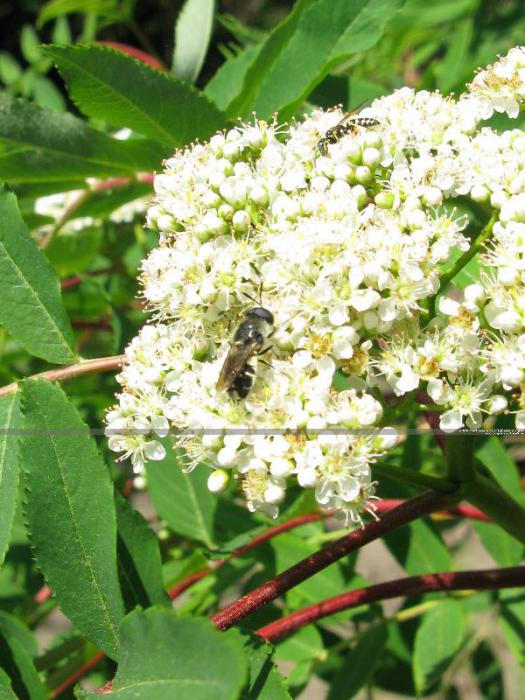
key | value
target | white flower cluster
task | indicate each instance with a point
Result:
(347, 246)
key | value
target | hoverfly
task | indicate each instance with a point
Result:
(248, 340)
(343, 127)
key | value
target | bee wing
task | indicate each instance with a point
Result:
(238, 355)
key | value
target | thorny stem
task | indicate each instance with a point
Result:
(487, 579)
(411, 509)
(100, 364)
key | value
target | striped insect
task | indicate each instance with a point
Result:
(345, 126)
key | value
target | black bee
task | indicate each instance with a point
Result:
(343, 127)
(236, 373)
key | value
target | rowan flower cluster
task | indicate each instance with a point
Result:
(349, 249)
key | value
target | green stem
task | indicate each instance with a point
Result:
(459, 453)
(400, 408)
(477, 244)
(416, 478)
(467, 256)
(486, 495)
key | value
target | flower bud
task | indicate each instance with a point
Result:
(218, 481)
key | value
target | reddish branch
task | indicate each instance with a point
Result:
(486, 579)
(270, 590)
(462, 511)
(263, 537)
(80, 673)
(459, 511)
(100, 364)
(432, 418)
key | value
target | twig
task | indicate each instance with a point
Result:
(259, 539)
(460, 511)
(80, 673)
(485, 579)
(270, 590)
(100, 364)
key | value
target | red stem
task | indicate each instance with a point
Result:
(85, 668)
(432, 418)
(486, 579)
(410, 510)
(259, 539)
(462, 511)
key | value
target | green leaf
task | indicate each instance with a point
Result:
(327, 34)
(418, 13)
(40, 145)
(304, 645)
(58, 8)
(47, 94)
(456, 57)
(489, 676)
(438, 639)
(495, 457)
(6, 689)
(17, 661)
(164, 657)
(31, 309)
(419, 548)
(12, 628)
(183, 500)
(138, 556)
(289, 549)
(512, 620)
(359, 664)
(502, 547)
(228, 81)
(193, 32)
(30, 44)
(73, 252)
(265, 56)
(70, 513)
(10, 70)
(265, 682)
(9, 422)
(61, 32)
(108, 84)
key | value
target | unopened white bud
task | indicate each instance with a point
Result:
(385, 200)
(241, 221)
(274, 494)
(218, 481)
(363, 174)
(371, 157)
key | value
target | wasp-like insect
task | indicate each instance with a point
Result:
(343, 127)
(251, 334)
